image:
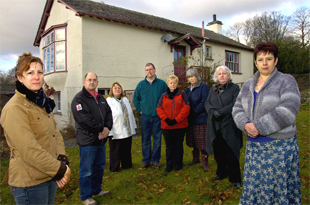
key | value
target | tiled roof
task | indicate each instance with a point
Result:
(113, 13)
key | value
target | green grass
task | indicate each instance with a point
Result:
(153, 186)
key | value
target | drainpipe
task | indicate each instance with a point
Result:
(203, 44)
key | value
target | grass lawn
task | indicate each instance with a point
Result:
(153, 186)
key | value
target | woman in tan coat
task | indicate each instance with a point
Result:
(38, 160)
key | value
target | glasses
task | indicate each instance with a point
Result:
(91, 80)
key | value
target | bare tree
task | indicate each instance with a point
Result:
(301, 25)
(7, 78)
(267, 27)
(235, 32)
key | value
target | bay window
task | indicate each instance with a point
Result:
(54, 50)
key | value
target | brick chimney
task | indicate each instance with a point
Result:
(215, 25)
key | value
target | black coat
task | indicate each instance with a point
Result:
(224, 103)
(90, 117)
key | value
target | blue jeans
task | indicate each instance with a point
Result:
(39, 194)
(151, 125)
(92, 164)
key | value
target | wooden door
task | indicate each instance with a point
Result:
(179, 69)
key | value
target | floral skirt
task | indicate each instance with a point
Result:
(271, 173)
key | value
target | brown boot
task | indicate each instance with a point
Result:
(196, 157)
(205, 163)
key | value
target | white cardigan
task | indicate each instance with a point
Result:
(119, 130)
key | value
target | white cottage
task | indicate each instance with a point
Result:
(76, 37)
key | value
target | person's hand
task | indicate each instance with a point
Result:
(104, 133)
(65, 179)
(216, 114)
(174, 122)
(170, 122)
(251, 130)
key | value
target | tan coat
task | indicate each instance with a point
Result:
(34, 141)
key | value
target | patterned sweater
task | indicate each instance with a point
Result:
(277, 105)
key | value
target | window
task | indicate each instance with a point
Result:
(54, 50)
(57, 98)
(232, 61)
(208, 52)
(104, 91)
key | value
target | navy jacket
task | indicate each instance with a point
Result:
(197, 98)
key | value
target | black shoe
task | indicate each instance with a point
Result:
(237, 185)
(145, 165)
(168, 170)
(218, 178)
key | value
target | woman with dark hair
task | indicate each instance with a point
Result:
(266, 109)
(197, 94)
(223, 137)
(38, 160)
(124, 127)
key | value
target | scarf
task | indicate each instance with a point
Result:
(38, 98)
(172, 94)
(125, 115)
(219, 88)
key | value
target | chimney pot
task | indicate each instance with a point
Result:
(214, 17)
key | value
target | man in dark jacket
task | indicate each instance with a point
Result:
(93, 122)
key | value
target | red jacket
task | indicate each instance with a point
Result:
(177, 108)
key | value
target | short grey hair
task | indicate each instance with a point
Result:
(225, 69)
(192, 72)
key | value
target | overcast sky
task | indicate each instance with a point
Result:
(19, 19)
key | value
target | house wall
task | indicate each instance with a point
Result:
(116, 52)
(218, 58)
(66, 82)
(119, 52)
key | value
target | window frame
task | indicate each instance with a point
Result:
(209, 52)
(104, 91)
(232, 61)
(53, 57)
(57, 99)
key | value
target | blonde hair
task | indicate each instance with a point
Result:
(111, 90)
(172, 78)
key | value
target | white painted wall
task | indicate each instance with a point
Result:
(119, 52)
(116, 52)
(68, 83)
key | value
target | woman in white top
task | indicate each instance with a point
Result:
(124, 126)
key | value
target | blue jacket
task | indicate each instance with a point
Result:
(146, 96)
(197, 98)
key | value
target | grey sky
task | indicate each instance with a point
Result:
(19, 19)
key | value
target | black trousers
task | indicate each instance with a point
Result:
(227, 162)
(174, 147)
(120, 154)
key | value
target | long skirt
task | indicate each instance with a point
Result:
(196, 136)
(271, 173)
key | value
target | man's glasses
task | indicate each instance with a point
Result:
(91, 80)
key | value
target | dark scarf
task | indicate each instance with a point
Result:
(38, 98)
(218, 87)
(172, 94)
